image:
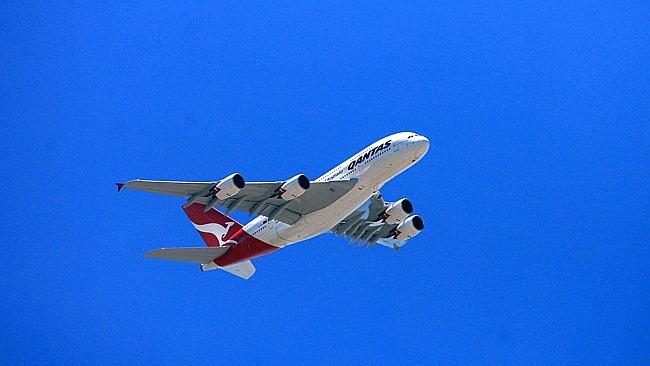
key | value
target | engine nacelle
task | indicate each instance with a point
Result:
(294, 187)
(409, 228)
(229, 186)
(398, 211)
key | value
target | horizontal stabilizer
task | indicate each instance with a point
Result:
(190, 255)
(243, 269)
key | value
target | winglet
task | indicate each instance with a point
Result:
(119, 186)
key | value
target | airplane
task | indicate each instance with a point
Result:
(345, 201)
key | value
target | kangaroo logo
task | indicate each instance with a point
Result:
(218, 231)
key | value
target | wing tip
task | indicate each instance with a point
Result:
(119, 186)
(152, 253)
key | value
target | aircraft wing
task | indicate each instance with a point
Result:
(365, 225)
(255, 198)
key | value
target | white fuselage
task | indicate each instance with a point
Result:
(373, 167)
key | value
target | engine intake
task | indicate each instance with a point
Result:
(294, 187)
(229, 186)
(398, 211)
(409, 228)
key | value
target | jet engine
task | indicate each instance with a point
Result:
(229, 186)
(409, 228)
(294, 187)
(398, 211)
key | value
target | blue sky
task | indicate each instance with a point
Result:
(534, 191)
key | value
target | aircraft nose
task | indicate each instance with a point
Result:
(422, 144)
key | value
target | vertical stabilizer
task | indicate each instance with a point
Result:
(214, 227)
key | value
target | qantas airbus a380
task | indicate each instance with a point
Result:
(344, 201)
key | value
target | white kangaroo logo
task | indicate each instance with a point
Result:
(217, 230)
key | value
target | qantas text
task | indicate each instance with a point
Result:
(369, 154)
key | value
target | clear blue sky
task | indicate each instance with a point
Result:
(534, 192)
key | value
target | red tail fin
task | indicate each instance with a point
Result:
(214, 227)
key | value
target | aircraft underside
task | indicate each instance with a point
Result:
(344, 201)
